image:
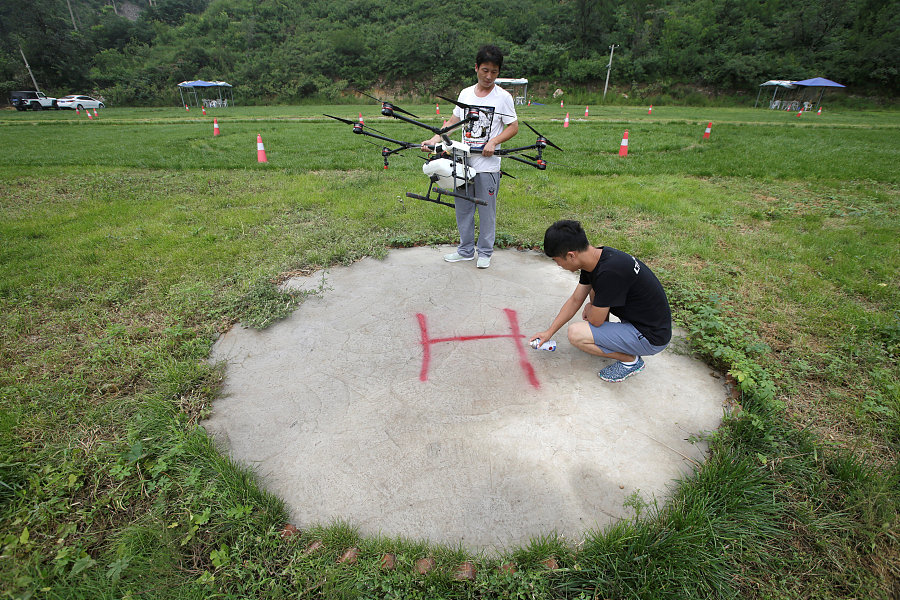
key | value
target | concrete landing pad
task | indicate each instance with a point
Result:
(403, 398)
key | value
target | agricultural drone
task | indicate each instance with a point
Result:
(447, 168)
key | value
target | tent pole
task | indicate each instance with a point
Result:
(755, 104)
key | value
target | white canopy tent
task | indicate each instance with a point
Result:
(777, 84)
(517, 87)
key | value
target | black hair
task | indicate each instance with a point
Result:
(489, 53)
(563, 237)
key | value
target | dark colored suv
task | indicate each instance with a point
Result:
(32, 100)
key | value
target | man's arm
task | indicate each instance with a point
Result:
(596, 315)
(511, 130)
(568, 310)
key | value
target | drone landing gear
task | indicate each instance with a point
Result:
(442, 192)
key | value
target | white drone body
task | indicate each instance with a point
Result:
(447, 173)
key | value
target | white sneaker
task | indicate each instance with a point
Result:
(456, 257)
(483, 262)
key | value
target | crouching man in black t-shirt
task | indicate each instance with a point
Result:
(617, 284)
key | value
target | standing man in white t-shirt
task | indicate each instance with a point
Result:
(497, 122)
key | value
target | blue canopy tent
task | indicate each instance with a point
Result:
(818, 82)
(224, 95)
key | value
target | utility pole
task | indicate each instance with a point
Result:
(27, 66)
(608, 69)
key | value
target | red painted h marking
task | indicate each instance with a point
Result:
(515, 335)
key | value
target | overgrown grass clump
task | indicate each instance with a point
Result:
(776, 240)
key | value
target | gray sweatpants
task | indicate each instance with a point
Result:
(486, 187)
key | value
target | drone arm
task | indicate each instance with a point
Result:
(441, 134)
(540, 164)
(507, 151)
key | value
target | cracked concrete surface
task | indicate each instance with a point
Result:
(403, 398)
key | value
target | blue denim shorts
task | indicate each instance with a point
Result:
(623, 337)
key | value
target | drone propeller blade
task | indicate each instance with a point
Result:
(465, 106)
(456, 102)
(386, 104)
(505, 174)
(355, 124)
(347, 121)
(537, 133)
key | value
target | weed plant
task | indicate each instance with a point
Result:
(132, 242)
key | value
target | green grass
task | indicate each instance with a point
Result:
(131, 242)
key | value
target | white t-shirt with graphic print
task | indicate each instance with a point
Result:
(496, 111)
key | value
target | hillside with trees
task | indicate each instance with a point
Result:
(135, 52)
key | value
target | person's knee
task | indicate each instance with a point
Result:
(580, 333)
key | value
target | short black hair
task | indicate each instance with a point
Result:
(489, 53)
(563, 237)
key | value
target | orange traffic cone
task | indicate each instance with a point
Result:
(650, 110)
(708, 131)
(203, 108)
(585, 111)
(623, 147)
(800, 113)
(186, 107)
(215, 127)
(95, 113)
(77, 111)
(561, 104)
(260, 150)
(566, 120)
(361, 122)
(437, 108)
(90, 116)
(819, 112)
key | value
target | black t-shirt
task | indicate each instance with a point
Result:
(632, 292)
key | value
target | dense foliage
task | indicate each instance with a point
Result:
(285, 51)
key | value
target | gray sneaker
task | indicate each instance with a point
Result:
(483, 262)
(456, 257)
(618, 371)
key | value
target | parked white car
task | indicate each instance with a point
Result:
(79, 102)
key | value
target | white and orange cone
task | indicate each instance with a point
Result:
(361, 122)
(95, 113)
(203, 108)
(88, 113)
(260, 150)
(561, 104)
(77, 111)
(819, 112)
(623, 147)
(800, 112)
(708, 131)
(437, 108)
(186, 107)
(215, 127)
(566, 120)
(650, 110)
(585, 111)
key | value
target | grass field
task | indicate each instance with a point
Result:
(131, 241)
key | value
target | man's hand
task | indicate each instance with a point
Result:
(489, 148)
(543, 336)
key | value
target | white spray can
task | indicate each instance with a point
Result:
(549, 346)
